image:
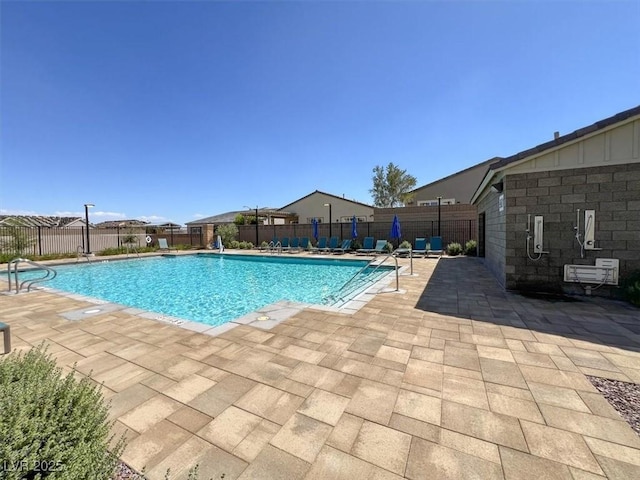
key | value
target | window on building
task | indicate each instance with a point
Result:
(434, 202)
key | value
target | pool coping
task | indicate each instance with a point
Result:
(264, 318)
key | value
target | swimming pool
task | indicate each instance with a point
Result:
(212, 288)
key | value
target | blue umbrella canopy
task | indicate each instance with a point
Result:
(395, 228)
(315, 228)
(354, 227)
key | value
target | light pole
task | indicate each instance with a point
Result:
(329, 205)
(249, 208)
(439, 201)
(87, 206)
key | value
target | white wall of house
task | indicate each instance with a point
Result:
(342, 210)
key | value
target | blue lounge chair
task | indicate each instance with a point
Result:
(420, 247)
(367, 246)
(284, 243)
(343, 248)
(294, 246)
(304, 243)
(435, 246)
(322, 244)
(379, 248)
(333, 244)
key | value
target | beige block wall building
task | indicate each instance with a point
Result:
(582, 190)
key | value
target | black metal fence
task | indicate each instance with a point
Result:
(53, 241)
(459, 231)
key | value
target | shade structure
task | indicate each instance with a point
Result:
(354, 227)
(395, 228)
(315, 228)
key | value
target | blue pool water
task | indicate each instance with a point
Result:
(210, 289)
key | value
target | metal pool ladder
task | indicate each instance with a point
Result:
(343, 290)
(50, 273)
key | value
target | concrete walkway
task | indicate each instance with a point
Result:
(450, 379)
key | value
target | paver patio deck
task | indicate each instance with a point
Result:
(452, 378)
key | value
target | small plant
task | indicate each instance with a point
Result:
(16, 241)
(355, 245)
(244, 245)
(233, 244)
(631, 287)
(470, 248)
(388, 248)
(454, 249)
(405, 244)
(249, 245)
(52, 425)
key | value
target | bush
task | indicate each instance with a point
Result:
(244, 245)
(228, 233)
(233, 244)
(52, 426)
(388, 247)
(264, 245)
(454, 249)
(470, 248)
(405, 244)
(631, 287)
(355, 244)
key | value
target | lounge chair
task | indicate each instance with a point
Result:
(294, 246)
(343, 248)
(420, 247)
(164, 246)
(284, 243)
(333, 244)
(304, 243)
(435, 246)
(379, 248)
(321, 245)
(367, 246)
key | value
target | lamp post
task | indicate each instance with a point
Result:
(439, 202)
(87, 206)
(329, 205)
(249, 208)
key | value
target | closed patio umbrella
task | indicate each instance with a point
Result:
(315, 228)
(354, 227)
(395, 229)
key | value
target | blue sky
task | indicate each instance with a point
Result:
(170, 111)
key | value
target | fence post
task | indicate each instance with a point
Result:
(39, 241)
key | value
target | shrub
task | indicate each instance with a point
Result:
(405, 244)
(52, 426)
(240, 219)
(454, 249)
(388, 247)
(245, 245)
(355, 244)
(470, 248)
(227, 233)
(631, 287)
(233, 244)
(264, 245)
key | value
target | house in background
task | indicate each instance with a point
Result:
(321, 206)
(565, 215)
(122, 224)
(457, 188)
(41, 221)
(266, 216)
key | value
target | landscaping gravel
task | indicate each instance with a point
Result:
(623, 396)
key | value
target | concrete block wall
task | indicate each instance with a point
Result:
(495, 240)
(612, 191)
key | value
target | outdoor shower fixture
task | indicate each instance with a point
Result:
(538, 233)
(588, 238)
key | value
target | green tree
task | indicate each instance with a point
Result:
(228, 232)
(391, 186)
(240, 219)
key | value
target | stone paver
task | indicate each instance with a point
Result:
(451, 378)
